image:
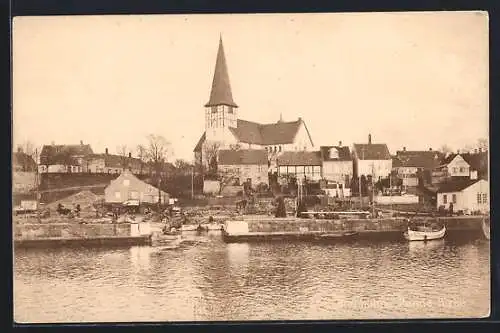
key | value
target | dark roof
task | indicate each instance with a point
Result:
(343, 152)
(426, 159)
(115, 161)
(242, 157)
(202, 139)
(477, 161)
(372, 151)
(396, 162)
(456, 185)
(221, 87)
(62, 154)
(23, 161)
(268, 134)
(300, 158)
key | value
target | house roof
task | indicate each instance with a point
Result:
(221, 88)
(63, 154)
(456, 185)
(396, 162)
(426, 159)
(200, 142)
(114, 161)
(343, 152)
(23, 160)
(372, 151)
(242, 157)
(268, 134)
(291, 158)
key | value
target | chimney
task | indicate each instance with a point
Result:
(430, 149)
(106, 150)
(475, 151)
(81, 142)
(404, 148)
(129, 155)
(480, 150)
(458, 151)
(340, 143)
(369, 138)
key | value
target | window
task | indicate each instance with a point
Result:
(485, 198)
(117, 195)
(126, 182)
(479, 198)
(454, 198)
(445, 199)
(454, 170)
(462, 169)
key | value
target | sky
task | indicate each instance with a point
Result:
(414, 80)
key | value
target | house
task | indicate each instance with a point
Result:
(22, 162)
(337, 164)
(63, 158)
(478, 162)
(129, 187)
(109, 163)
(300, 164)
(372, 159)
(456, 166)
(224, 129)
(468, 195)
(243, 166)
(413, 167)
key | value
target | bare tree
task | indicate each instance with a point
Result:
(227, 177)
(158, 152)
(122, 151)
(142, 154)
(445, 149)
(210, 151)
(483, 144)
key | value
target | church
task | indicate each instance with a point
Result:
(224, 129)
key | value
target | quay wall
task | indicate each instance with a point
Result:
(269, 225)
(73, 230)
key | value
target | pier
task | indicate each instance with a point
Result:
(267, 228)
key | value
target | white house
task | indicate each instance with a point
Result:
(224, 129)
(457, 166)
(468, 195)
(337, 164)
(128, 187)
(372, 159)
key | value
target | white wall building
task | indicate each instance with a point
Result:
(468, 195)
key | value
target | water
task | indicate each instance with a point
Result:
(279, 281)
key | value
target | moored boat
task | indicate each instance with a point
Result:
(424, 232)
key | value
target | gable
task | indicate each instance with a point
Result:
(458, 161)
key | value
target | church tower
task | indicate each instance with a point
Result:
(220, 110)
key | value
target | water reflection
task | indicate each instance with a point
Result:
(216, 281)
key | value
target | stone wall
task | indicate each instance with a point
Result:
(361, 225)
(69, 230)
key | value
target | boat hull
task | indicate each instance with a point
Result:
(413, 235)
(281, 237)
(486, 228)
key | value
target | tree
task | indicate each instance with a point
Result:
(445, 149)
(158, 152)
(483, 144)
(210, 151)
(122, 151)
(182, 166)
(226, 178)
(142, 154)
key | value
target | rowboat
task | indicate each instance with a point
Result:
(486, 227)
(160, 239)
(424, 233)
(191, 227)
(330, 236)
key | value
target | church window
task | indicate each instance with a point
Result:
(274, 148)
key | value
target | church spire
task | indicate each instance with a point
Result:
(221, 88)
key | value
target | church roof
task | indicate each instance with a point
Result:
(267, 134)
(221, 88)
